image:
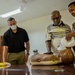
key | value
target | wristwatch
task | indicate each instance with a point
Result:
(28, 53)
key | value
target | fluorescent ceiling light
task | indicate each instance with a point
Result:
(11, 13)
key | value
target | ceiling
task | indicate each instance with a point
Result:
(33, 8)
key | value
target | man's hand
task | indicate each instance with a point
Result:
(26, 57)
(48, 53)
(68, 36)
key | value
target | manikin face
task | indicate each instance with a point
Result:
(71, 9)
(56, 18)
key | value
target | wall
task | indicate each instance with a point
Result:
(36, 29)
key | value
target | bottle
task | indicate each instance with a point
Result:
(35, 51)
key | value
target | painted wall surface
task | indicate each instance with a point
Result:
(36, 29)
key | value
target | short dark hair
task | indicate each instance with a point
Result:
(56, 11)
(10, 19)
(72, 3)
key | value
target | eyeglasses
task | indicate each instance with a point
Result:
(56, 18)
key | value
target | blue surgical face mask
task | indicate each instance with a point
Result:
(13, 27)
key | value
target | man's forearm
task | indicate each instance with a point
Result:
(28, 47)
(5, 52)
(48, 45)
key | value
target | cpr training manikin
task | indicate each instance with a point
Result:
(64, 55)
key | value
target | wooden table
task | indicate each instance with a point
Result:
(39, 70)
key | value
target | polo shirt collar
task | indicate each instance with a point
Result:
(60, 24)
